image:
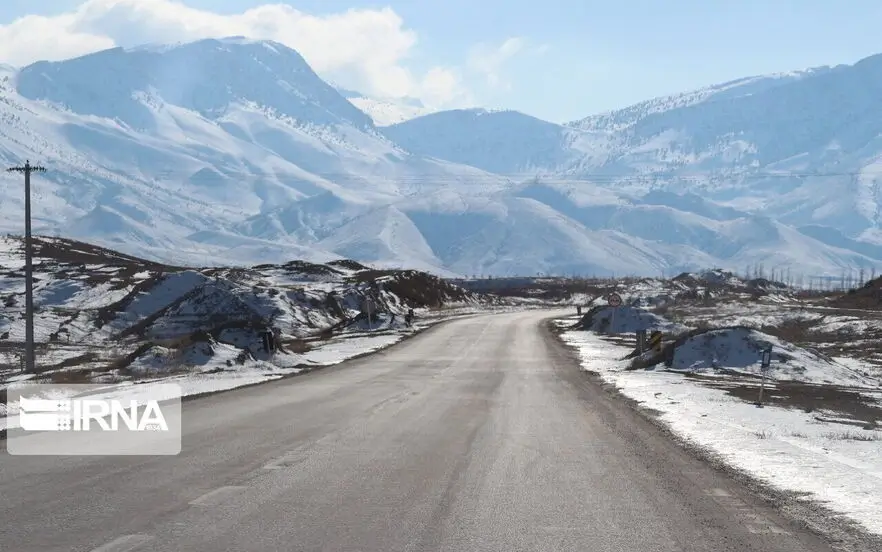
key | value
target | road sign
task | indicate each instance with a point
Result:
(767, 358)
(614, 300)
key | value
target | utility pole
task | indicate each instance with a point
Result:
(30, 363)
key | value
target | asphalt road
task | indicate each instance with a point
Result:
(479, 435)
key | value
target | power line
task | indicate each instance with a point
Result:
(575, 179)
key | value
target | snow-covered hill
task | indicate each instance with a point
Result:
(106, 316)
(233, 151)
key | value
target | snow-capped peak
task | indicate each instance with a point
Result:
(162, 47)
(234, 150)
(206, 76)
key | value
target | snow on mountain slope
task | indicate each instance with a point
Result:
(389, 112)
(510, 142)
(620, 119)
(188, 76)
(518, 235)
(703, 232)
(789, 149)
(503, 142)
(802, 147)
(691, 203)
(384, 236)
(158, 158)
(234, 151)
(386, 111)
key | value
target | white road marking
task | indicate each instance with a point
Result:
(291, 457)
(217, 496)
(124, 543)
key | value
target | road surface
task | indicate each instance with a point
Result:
(479, 435)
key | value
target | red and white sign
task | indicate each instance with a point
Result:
(614, 300)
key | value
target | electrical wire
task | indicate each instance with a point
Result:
(574, 177)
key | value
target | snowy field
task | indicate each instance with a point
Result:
(821, 452)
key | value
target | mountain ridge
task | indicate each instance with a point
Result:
(265, 160)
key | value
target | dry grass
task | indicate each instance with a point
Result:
(548, 289)
(852, 436)
(661, 310)
(84, 358)
(795, 330)
(70, 376)
(74, 252)
(348, 264)
(416, 289)
(296, 346)
(869, 297)
(122, 364)
(850, 404)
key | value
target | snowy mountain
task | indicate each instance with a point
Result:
(623, 118)
(386, 111)
(803, 148)
(204, 77)
(196, 152)
(234, 151)
(503, 142)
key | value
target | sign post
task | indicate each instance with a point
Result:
(615, 301)
(764, 368)
(641, 341)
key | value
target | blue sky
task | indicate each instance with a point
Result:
(578, 57)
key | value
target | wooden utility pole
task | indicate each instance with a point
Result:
(30, 363)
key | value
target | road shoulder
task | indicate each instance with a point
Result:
(695, 467)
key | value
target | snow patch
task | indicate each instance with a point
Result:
(839, 466)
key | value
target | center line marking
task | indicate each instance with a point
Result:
(124, 543)
(217, 496)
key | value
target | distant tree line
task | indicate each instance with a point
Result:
(850, 278)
